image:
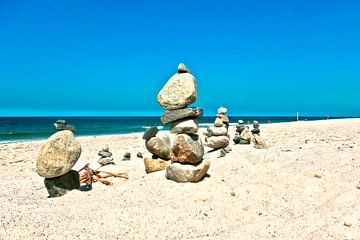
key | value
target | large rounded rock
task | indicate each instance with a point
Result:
(173, 115)
(217, 142)
(179, 91)
(259, 142)
(58, 155)
(184, 126)
(186, 172)
(187, 149)
(217, 131)
(158, 147)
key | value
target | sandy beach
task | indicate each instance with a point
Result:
(304, 186)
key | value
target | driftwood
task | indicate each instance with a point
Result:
(90, 176)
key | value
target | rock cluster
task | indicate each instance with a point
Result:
(61, 125)
(242, 133)
(56, 158)
(217, 135)
(183, 146)
(105, 156)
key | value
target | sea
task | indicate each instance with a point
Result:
(33, 128)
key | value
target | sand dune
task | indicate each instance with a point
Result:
(305, 186)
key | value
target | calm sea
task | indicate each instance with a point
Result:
(25, 128)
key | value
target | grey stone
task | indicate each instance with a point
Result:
(187, 148)
(59, 186)
(217, 131)
(139, 155)
(104, 154)
(62, 127)
(183, 69)
(227, 149)
(173, 115)
(184, 126)
(58, 155)
(179, 91)
(158, 147)
(151, 132)
(127, 155)
(105, 161)
(236, 138)
(217, 142)
(181, 173)
(222, 153)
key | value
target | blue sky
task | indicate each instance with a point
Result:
(112, 57)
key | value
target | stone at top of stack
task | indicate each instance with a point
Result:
(217, 135)
(60, 125)
(186, 150)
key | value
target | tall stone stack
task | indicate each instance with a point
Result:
(217, 135)
(184, 146)
(56, 158)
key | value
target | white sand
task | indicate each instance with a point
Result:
(277, 195)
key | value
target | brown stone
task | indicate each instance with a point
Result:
(153, 165)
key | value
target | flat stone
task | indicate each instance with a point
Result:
(153, 165)
(217, 131)
(259, 142)
(186, 172)
(222, 110)
(187, 148)
(58, 155)
(179, 91)
(151, 132)
(104, 154)
(173, 115)
(59, 186)
(217, 142)
(183, 69)
(105, 161)
(158, 147)
(184, 126)
(62, 127)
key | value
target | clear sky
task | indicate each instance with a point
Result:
(255, 57)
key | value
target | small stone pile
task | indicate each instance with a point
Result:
(56, 158)
(258, 141)
(217, 135)
(183, 146)
(242, 133)
(61, 125)
(105, 156)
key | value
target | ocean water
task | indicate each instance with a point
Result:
(27, 128)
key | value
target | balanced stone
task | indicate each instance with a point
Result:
(61, 125)
(222, 110)
(217, 142)
(186, 172)
(179, 91)
(151, 132)
(259, 142)
(105, 154)
(58, 155)
(59, 186)
(173, 115)
(158, 147)
(216, 131)
(105, 161)
(187, 148)
(183, 69)
(245, 136)
(153, 165)
(184, 126)
(106, 148)
(218, 122)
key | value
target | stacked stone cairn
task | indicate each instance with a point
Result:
(183, 146)
(105, 156)
(242, 133)
(61, 125)
(56, 158)
(258, 141)
(217, 136)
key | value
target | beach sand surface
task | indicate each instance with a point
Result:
(304, 186)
